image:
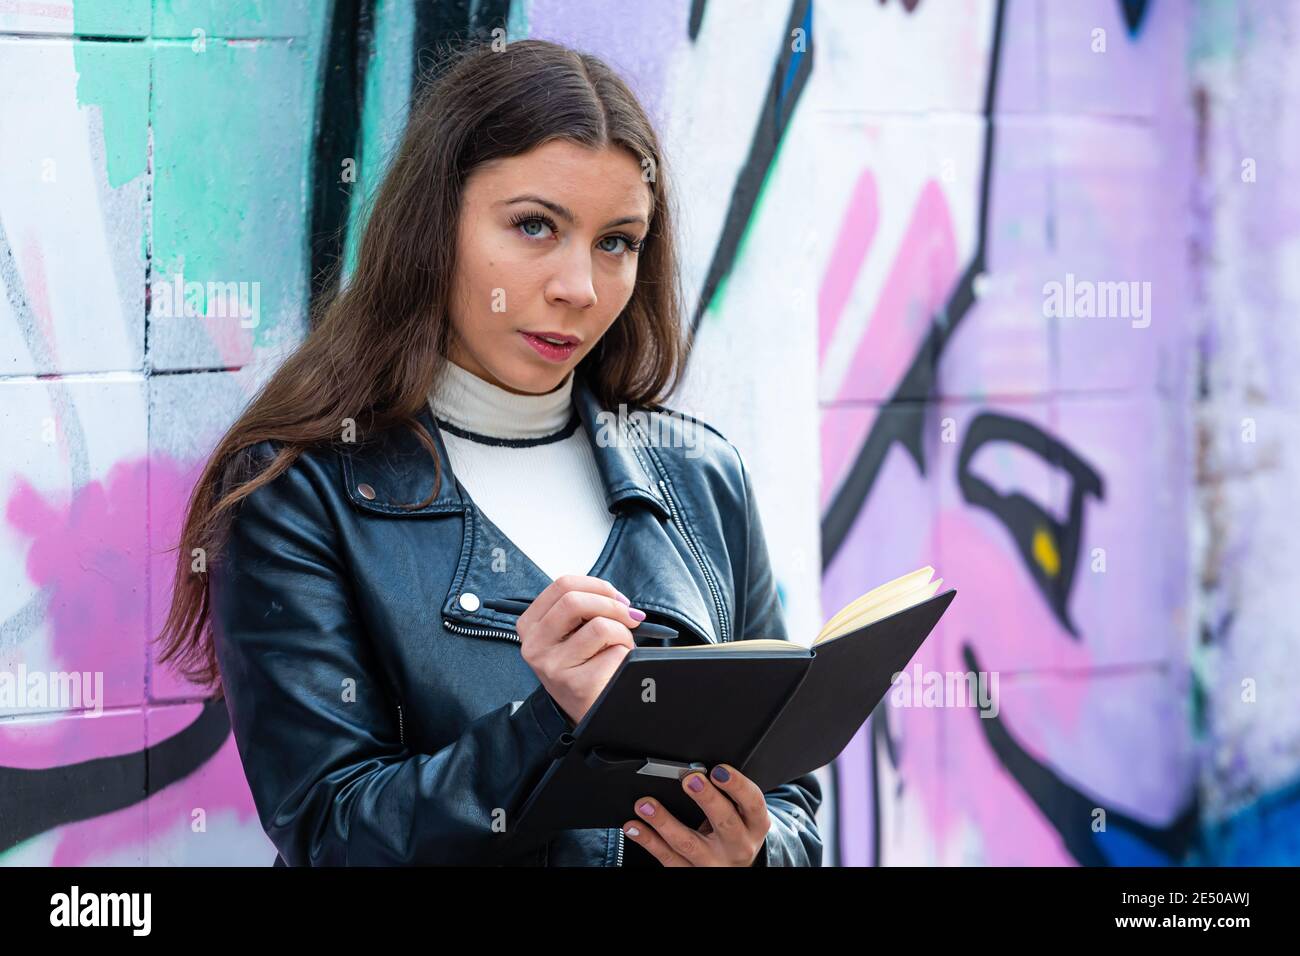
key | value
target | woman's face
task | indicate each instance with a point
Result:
(547, 245)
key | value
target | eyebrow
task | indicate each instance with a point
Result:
(564, 212)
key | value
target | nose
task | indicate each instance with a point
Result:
(571, 284)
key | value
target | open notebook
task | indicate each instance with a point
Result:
(876, 605)
(773, 709)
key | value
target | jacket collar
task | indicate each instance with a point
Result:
(397, 468)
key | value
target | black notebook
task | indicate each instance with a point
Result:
(773, 709)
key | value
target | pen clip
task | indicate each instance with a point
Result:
(600, 758)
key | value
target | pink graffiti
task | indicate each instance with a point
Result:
(1001, 615)
(955, 782)
(852, 240)
(919, 281)
(32, 270)
(89, 553)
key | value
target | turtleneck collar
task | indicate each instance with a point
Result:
(479, 408)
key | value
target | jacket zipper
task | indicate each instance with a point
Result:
(401, 723)
(498, 632)
(690, 543)
(481, 631)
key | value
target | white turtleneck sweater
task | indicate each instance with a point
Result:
(527, 463)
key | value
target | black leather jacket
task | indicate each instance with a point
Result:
(384, 717)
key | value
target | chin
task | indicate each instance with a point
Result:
(535, 380)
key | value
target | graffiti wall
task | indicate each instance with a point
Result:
(1246, 252)
(1035, 452)
(1026, 380)
(979, 263)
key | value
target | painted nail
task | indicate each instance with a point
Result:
(624, 598)
(632, 831)
(695, 782)
(720, 774)
(635, 614)
(647, 809)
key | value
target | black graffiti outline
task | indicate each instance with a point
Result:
(773, 121)
(904, 425)
(1023, 517)
(1068, 809)
(348, 43)
(43, 799)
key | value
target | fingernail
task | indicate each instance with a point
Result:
(632, 831)
(624, 598)
(695, 782)
(720, 774)
(635, 614)
(647, 809)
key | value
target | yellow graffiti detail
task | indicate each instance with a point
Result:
(1045, 553)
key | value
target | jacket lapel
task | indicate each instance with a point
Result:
(639, 556)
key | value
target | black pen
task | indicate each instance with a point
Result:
(645, 629)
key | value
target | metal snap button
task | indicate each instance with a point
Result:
(366, 491)
(469, 601)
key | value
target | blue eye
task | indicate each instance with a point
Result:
(526, 219)
(629, 244)
(523, 221)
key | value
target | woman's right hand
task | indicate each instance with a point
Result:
(574, 636)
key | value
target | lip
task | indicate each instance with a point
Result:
(554, 353)
(570, 339)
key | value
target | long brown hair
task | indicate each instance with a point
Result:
(378, 342)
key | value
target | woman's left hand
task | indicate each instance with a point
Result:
(732, 835)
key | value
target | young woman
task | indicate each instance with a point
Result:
(476, 414)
